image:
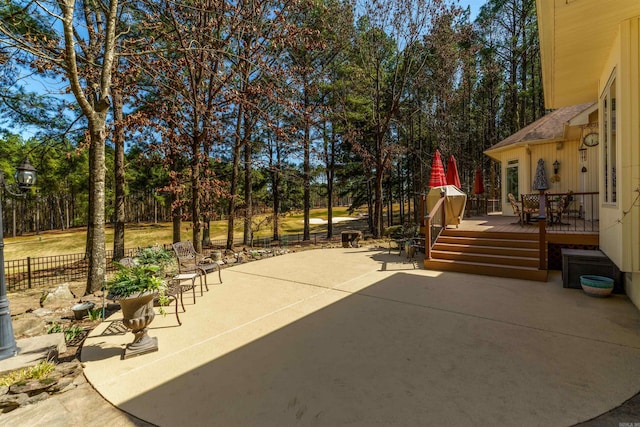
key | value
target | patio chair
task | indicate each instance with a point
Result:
(530, 205)
(558, 208)
(189, 261)
(516, 209)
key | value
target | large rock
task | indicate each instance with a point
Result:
(61, 297)
(9, 402)
(28, 325)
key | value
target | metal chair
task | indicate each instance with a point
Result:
(516, 209)
(189, 261)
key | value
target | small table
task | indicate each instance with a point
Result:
(179, 278)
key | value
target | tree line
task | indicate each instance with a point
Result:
(206, 109)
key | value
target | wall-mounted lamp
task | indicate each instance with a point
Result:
(556, 166)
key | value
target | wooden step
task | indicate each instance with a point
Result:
(489, 250)
(487, 241)
(490, 234)
(495, 270)
(483, 258)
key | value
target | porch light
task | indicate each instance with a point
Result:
(556, 166)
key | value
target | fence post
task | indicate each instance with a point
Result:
(29, 272)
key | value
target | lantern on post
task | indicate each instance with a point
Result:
(25, 178)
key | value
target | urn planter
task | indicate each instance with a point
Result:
(137, 314)
(135, 287)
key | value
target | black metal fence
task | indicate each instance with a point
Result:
(34, 272)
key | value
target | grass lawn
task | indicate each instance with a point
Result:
(73, 241)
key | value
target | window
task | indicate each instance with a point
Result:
(608, 108)
(512, 179)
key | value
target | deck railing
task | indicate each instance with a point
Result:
(435, 222)
(580, 215)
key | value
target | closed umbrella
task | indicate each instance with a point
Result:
(540, 182)
(478, 184)
(438, 178)
(452, 172)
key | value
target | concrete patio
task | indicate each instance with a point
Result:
(336, 337)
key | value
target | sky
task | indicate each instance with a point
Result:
(475, 6)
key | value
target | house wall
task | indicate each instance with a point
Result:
(570, 176)
(620, 223)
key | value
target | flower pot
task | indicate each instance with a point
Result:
(81, 310)
(137, 314)
(597, 286)
(216, 255)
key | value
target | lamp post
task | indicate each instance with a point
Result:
(25, 177)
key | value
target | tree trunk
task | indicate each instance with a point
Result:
(119, 178)
(177, 219)
(196, 216)
(378, 224)
(235, 170)
(96, 243)
(306, 234)
(248, 189)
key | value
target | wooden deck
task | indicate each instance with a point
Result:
(472, 247)
(575, 227)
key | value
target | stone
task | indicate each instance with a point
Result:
(9, 402)
(69, 368)
(4, 390)
(32, 387)
(65, 384)
(42, 312)
(33, 350)
(36, 398)
(28, 325)
(80, 380)
(61, 297)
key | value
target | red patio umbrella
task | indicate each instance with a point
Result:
(478, 185)
(438, 178)
(452, 172)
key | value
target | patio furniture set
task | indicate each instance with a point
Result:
(529, 207)
(191, 266)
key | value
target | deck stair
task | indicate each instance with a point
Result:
(500, 254)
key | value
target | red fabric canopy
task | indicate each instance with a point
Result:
(452, 172)
(438, 178)
(478, 185)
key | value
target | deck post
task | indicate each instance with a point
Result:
(427, 237)
(542, 231)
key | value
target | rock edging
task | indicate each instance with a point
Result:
(66, 376)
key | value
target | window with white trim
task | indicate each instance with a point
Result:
(512, 179)
(608, 108)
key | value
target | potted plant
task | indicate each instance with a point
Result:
(135, 287)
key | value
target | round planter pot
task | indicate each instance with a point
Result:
(597, 286)
(80, 311)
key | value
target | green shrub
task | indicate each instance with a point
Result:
(134, 280)
(154, 255)
(70, 333)
(95, 314)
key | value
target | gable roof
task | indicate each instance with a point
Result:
(548, 128)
